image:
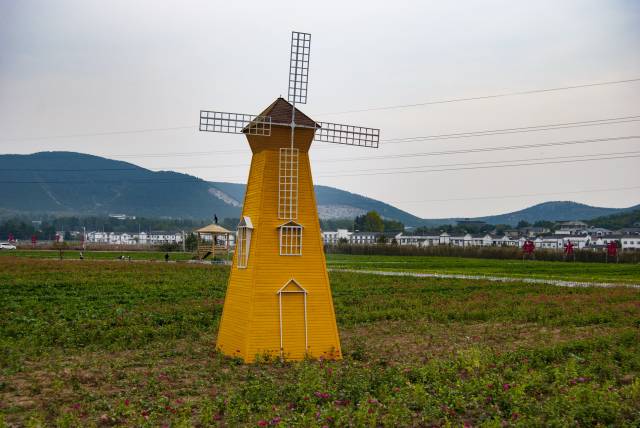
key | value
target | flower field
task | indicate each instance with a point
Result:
(107, 343)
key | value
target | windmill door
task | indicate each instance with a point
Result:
(293, 320)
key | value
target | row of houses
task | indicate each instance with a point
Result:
(142, 238)
(550, 242)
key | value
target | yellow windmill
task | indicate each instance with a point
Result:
(278, 298)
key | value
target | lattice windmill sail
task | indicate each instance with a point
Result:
(278, 300)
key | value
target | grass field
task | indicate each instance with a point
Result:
(108, 343)
(96, 255)
(572, 271)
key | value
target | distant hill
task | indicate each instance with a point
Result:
(68, 183)
(619, 220)
(556, 210)
(551, 211)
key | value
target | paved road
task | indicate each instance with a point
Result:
(555, 282)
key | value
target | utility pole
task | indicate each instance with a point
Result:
(184, 248)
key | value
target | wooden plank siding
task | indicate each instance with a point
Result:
(250, 322)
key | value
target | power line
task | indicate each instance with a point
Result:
(406, 168)
(103, 133)
(533, 128)
(484, 97)
(487, 149)
(528, 163)
(404, 155)
(139, 169)
(485, 167)
(614, 189)
(565, 125)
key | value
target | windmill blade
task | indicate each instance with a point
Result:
(348, 134)
(235, 123)
(299, 67)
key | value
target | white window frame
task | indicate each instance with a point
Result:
(288, 183)
(290, 234)
(243, 242)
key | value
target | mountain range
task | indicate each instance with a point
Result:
(69, 183)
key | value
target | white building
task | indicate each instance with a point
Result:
(630, 242)
(572, 228)
(333, 238)
(142, 238)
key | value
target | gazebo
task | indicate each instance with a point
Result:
(212, 239)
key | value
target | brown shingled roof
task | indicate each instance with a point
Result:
(280, 112)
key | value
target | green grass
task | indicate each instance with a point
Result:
(572, 271)
(96, 255)
(132, 344)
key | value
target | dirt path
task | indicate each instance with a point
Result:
(556, 282)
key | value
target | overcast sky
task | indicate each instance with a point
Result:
(90, 67)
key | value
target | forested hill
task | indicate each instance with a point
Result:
(67, 183)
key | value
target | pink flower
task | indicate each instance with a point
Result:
(126, 402)
(505, 387)
(275, 421)
(262, 423)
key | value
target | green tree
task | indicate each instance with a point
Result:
(191, 242)
(370, 222)
(523, 223)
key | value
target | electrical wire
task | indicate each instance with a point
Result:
(484, 167)
(164, 169)
(403, 155)
(487, 149)
(483, 97)
(492, 162)
(534, 128)
(614, 189)
(151, 180)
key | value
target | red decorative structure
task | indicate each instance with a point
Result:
(11, 238)
(57, 237)
(34, 240)
(528, 248)
(568, 248)
(612, 250)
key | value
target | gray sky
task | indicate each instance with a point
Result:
(76, 67)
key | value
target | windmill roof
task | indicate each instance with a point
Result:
(280, 111)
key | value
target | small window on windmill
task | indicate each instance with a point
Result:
(288, 184)
(290, 239)
(245, 227)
